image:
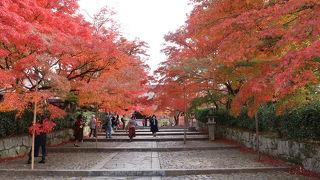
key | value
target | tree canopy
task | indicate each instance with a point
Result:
(245, 53)
(48, 50)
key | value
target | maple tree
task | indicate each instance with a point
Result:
(248, 52)
(48, 50)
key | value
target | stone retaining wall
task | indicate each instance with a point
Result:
(20, 145)
(200, 126)
(307, 155)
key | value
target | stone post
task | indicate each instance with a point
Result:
(211, 125)
(211, 129)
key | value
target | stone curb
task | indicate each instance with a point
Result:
(164, 130)
(129, 149)
(144, 139)
(162, 134)
(163, 127)
(153, 172)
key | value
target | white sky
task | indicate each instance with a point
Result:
(148, 20)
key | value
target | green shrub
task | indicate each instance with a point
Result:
(201, 114)
(13, 126)
(10, 125)
(302, 123)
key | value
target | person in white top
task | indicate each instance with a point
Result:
(93, 126)
(131, 126)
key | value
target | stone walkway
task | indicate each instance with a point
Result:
(223, 163)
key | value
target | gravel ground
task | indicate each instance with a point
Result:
(59, 161)
(207, 159)
(243, 176)
(238, 176)
(5, 177)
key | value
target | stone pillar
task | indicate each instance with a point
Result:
(211, 125)
(211, 129)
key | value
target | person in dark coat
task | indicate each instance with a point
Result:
(117, 121)
(78, 130)
(108, 125)
(113, 121)
(154, 125)
(40, 141)
(123, 121)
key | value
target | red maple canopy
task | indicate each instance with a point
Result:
(246, 52)
(48, 50)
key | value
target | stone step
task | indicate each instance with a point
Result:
(147, 172)
(163, 127)
(143, 138)
(160, 130)
(149, 133)
(133, 149)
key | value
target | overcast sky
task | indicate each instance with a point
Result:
(149, 20)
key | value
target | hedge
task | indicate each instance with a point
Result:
(10, 125)
(302, 123)
(201, 114)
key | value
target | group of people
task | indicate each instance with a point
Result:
(111, 122)
(94, 124)
(132, 124)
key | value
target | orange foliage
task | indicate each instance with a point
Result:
(47, 50)
(250, 52)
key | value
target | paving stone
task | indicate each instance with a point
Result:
(59, 161)
(12, 177)
(243, 176)
(207, 159)
(130, 160)
(237, 176)
(195, 159)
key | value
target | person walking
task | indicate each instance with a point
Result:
(154, 125)
(113, 121)
(117, 122)
(93, 126)
(131, 126)
(78, 130)
(108, 125)
(123, 120)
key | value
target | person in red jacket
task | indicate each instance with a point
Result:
(78, 130)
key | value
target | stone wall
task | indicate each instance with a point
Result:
(200, 126)
(20, 145)
(307, 155)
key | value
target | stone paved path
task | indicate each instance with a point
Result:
(132, 160)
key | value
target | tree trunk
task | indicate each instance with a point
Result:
(176, 118)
